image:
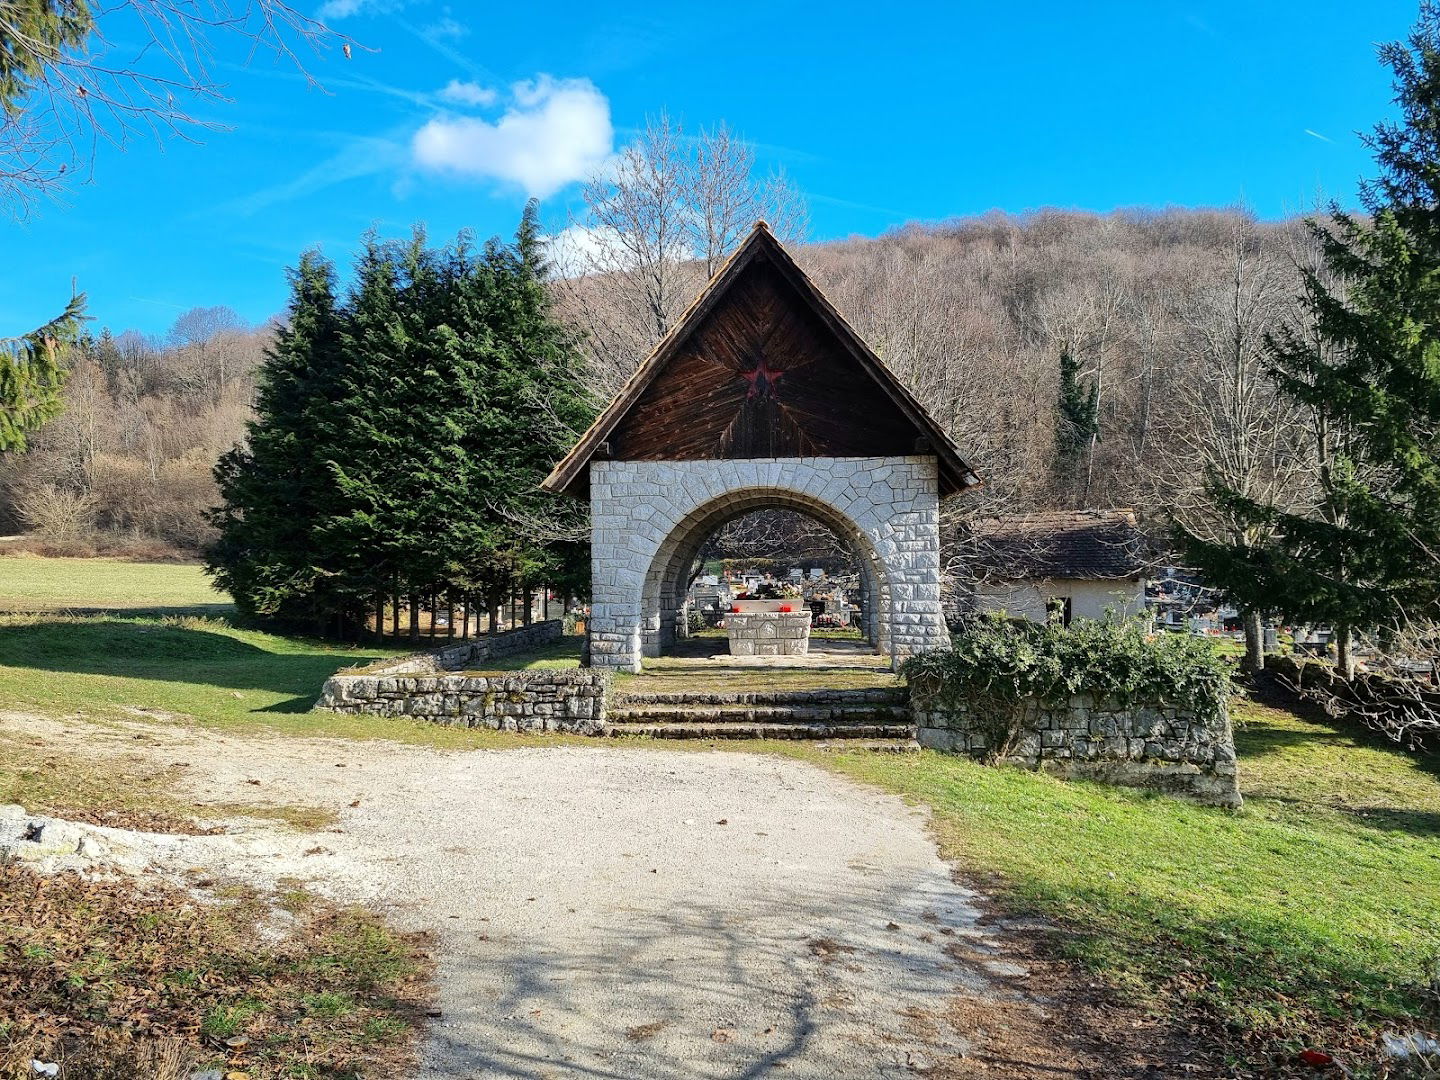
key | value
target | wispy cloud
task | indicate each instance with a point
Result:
(467, 93)
(445, 28)
(359, 157)
(435, 35)
(1317, 135)
(554, 132)
(335, 10)
(830, 200)
(1200, 24)
(329, 83)
(158, 303)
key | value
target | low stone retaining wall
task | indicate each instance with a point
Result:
(468, 655)
(570, 701)
(768, 633)
(1163, 746)
(441, 686)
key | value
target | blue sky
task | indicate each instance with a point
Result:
(881, 113)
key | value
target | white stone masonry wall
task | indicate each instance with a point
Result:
(889, 506)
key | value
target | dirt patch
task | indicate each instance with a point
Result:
(1051, 1018)
(128, 775)
(111, 978)
(138, 820)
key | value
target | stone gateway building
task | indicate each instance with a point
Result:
(762, 396)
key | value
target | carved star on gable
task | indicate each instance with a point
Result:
(762, 381)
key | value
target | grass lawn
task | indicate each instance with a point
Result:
(562, 655)
(1307, 918)
(189, 669)
(30, 583)
(1312, 916)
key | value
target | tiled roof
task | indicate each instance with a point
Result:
(1099, 545)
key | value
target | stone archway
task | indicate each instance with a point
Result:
(649, 519)
(662, 603)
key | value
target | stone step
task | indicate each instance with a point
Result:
(877, 746)
(871, 696)
(838, 731)
(628, 713)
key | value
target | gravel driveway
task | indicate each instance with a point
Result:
(626, 913)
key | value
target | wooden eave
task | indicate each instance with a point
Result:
(571, 475)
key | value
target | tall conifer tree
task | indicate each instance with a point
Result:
(425, 411)
(1369, 371)
(1077, 421)
(278, 485)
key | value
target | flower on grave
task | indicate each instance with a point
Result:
(785, 609)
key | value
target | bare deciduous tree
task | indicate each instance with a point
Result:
(126, 69)
(657, 223)
(1235, 430)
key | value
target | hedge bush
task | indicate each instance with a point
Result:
(1002, 661)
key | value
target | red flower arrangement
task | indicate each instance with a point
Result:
(785, 609)
(734, 609)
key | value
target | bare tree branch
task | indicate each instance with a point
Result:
(140, 72)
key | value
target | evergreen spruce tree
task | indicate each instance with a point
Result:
(557, 409)
(382, 348)
(32, 375)
(431, 404)
(277, 486)
(1077, 420)
(1369, 370)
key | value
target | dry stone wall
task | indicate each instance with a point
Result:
(1158, 745)
(443, 686)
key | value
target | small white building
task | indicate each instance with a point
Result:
(1076, 564)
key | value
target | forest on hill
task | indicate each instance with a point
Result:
(1161, 315)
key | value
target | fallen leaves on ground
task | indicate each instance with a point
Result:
(113, 978)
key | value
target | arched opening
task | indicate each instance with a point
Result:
(664, 610)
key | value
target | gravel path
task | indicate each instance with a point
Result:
(625, 913)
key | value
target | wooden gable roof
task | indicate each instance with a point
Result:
(761, 365)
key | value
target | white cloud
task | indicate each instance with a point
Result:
(578, 250)
(333, 10)
(446, 27)
(582, 249)
(467, 93)
(556, 131)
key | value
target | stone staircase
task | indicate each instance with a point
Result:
(870, 719)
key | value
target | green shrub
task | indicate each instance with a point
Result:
(999, 663)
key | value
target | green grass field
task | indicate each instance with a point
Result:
(30, 583)
(1308, 917)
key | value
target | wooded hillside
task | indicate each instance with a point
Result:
(1162, 312)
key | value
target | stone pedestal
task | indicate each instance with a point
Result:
(768, 633)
